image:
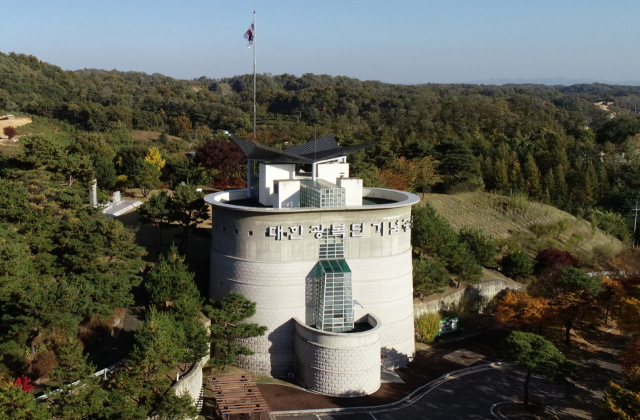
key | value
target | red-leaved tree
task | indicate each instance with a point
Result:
(552, 260)
(9, 132)
(224, 156)
(24, 383)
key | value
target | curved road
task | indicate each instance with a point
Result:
(469, 396)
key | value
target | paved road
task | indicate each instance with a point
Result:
(117, 349)
(465, 397)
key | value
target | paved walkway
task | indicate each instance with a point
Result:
(467, 396)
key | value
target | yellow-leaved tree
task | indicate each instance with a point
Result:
(155, 158)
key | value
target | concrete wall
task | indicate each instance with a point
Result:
(268, 174)
(352, 191)
(476, 295)
(332, 171)
(288, 194)
(251, 255)
(192, 381)
(341, 364)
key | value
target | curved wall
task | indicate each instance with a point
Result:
(341, 364)
(253, 252)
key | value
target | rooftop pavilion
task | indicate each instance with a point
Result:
(278, 185)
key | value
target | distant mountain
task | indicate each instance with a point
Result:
(551, 81)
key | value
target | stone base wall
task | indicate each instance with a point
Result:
(340, 364)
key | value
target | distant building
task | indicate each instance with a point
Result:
(328, 262)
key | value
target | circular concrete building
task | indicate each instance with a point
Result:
(328, 263)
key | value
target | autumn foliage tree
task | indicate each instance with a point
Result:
(522, 311)
(552, 259)
(222, 158)
(10, 132)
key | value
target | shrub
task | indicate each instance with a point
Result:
(516, 264)
(428, 326)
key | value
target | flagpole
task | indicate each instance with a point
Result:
(254, 76)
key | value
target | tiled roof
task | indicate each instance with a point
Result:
(316, 150)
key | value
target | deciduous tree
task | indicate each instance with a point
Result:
(519, 309)
(9, 131)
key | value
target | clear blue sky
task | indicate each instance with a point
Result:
(392, 41)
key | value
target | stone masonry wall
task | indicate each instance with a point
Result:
(349, 367)
(477, 294)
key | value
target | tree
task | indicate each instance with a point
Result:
(519, 309)
(456, 158)
(227, 327)
(180, 125)
(17, 401)
(426, 173)
(572, 295)
(429, 276)
(156, 210)
(626, 309)
(171, 288)
(155, 158)
(482, 247)
(139, 390)
(188, 209)
(531, 176)
(9, 131)
(81, 400)
(222, 156)
(552, 259)
(105, 172)
(620, 403)
(75, 166)
(145, 176)
(535, 355)
(72, 364)
(516, 264)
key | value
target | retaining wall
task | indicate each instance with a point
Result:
(474, 297)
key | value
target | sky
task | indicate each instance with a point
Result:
(397, 41)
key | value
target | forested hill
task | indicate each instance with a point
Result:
(551, 143)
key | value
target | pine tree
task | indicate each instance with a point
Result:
(560, 191)
(515, 173)
(502, 176)
(227, 327)
(171, 287)
(532, 178)
(72, 364)
(188, 208)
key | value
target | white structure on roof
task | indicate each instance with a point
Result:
(328, 264)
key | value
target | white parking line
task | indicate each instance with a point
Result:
(374, 417)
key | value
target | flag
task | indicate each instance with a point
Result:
(249, 35)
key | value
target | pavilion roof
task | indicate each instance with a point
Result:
(322, 148)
